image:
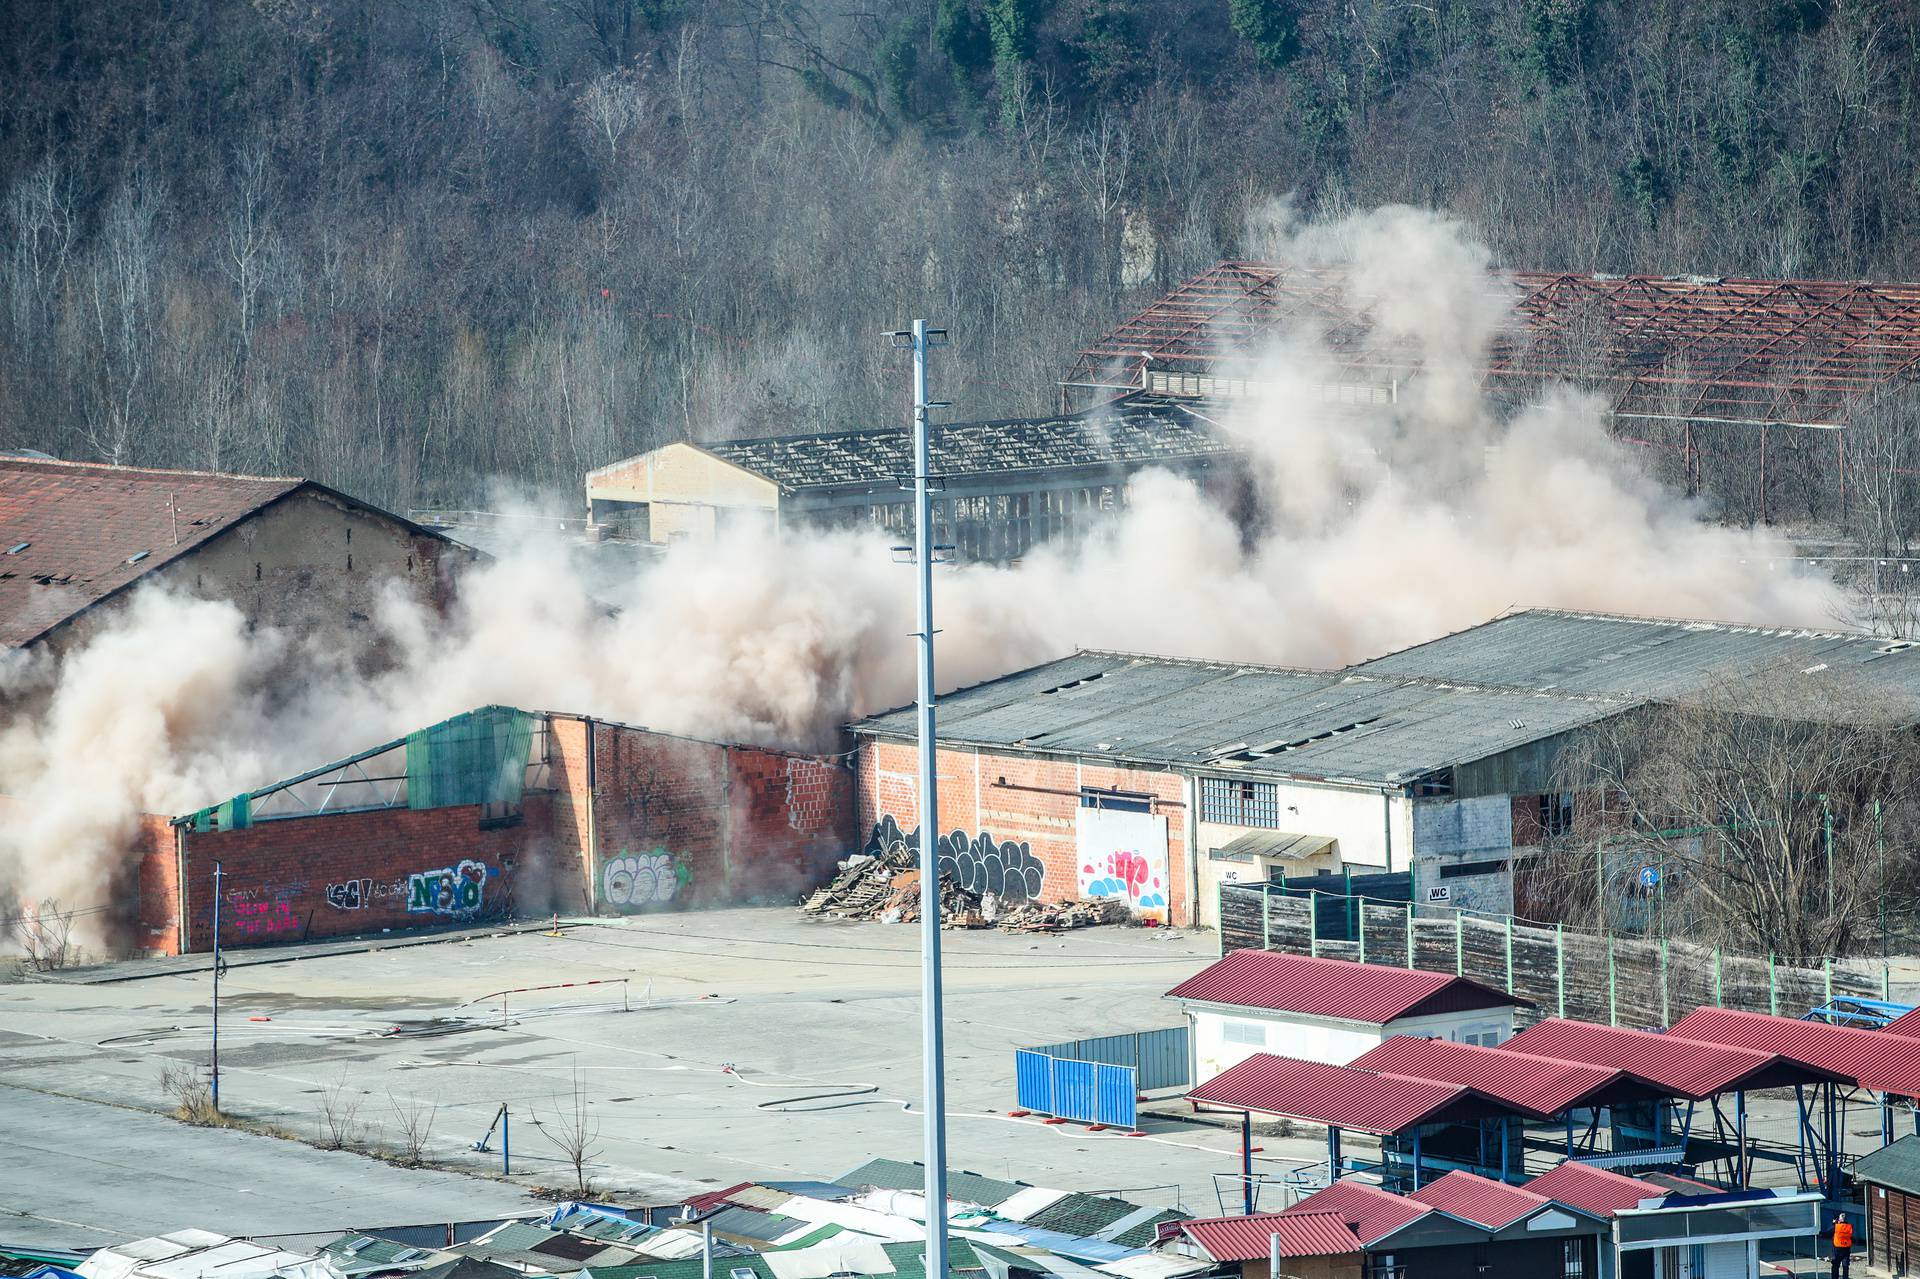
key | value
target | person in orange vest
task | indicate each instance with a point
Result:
(1842, 1248)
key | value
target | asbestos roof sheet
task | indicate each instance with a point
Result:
(1546, 1086)
(1481, 1200)
(898, 1174)
(1303, 1234)
(1235, 719)
(1340, 988)
(1274, 843)
(1872, 1058)
(1372, 1212)
(1640, 657)
(87, 531)
(1342, 1097)
(1137, 430)
(1686, 1067)
(1596, 1191)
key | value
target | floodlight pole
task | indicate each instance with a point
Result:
(216, 986)
(932, 1034)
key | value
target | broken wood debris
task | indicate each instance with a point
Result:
(886, 888)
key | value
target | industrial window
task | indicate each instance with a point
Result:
(1575, 1261)
(1456, 870)
(1246, 1033)
(1232, 802)
(1118, 800)
(1556, 813)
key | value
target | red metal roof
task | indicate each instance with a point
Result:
(1342, 1097)
(1372, 1212)
(1302, 1234)
(1592, 1190)
(1340, 988)
(1872, 1058)
(1686, 1067)
(1547, 1086)
(1481, 1200)
(1904, 1024)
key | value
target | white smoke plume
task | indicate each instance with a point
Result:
(1380, 531)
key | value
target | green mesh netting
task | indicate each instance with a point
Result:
(235, 814)
(476, 758)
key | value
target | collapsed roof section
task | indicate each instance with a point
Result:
(1684, 348)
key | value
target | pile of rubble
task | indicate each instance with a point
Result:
(887, 889)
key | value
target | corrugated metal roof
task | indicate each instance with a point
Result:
(1600, 653)
(1592, 1190)
(1340, 988)
(1138, 430)
(1236, 719)
(1481, 1200)
(1340, 1096)
(1545, 1085)
(1687, 1067)
(1305, 1234)
(1904, 1024)
(1274, 843)
(1872, 1058)
(1372, 1212)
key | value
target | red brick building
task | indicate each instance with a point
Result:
(494, 814)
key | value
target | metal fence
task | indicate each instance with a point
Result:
(1620, 981)
(1099, 1081)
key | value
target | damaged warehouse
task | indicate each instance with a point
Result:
(491, 814)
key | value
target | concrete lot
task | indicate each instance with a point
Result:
(746, 1043)
(760, 1043)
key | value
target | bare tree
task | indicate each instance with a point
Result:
(413, 1123)
(191, 1094)
(339, 1115)
(1771, 813)
(574, 1132)
(45, 934)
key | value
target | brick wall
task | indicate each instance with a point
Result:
(1010, 813)
(156, 925)
(343, 873)
(681, 823)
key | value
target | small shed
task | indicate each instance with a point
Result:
(1328, 1010)
(1890, 1178)
(1310, 1245)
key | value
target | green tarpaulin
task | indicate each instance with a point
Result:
(476, 758)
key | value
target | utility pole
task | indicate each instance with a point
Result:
(216, 985)
(932, 1034)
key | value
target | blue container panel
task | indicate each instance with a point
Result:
(1115, 1104)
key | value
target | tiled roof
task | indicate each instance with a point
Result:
(1545, 1085)
(1082, 1215)
(1303, 1234)
(1481, 1200)
(1375, 993)
(87, 531)
(1132, 432)
(1873, 1058)
(1341, 1097)
(1684, 1066)
(1896, 1164)
(1372, 1212)
(1598, 1191)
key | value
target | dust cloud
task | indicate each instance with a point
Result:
(1377, 531)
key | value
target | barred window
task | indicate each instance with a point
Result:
(1233, 802)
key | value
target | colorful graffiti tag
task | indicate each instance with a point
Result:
(455, 891)
(977, 863)
(636, 882)
(1123, 855)
(262, 910)
(353, 894)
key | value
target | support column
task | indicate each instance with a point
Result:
(1246, 1161)
(1333, 1156)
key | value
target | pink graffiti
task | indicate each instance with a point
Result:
(257, 918)
(1130, 868)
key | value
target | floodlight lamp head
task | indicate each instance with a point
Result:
(937, 337)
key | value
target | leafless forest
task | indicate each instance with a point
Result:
(408, 247)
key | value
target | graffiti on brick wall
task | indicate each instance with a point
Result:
(978, 863)
(639, 881)
(262, 910)
(457, 890)
(363, 894)
(1123, 855)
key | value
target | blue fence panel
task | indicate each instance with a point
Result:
(1159, 1057)
(1033, 1080)
(1117, 1095)
(1076, 1090)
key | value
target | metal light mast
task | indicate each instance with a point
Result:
(933, 1052)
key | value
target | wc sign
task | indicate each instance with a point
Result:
(1438, 894)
